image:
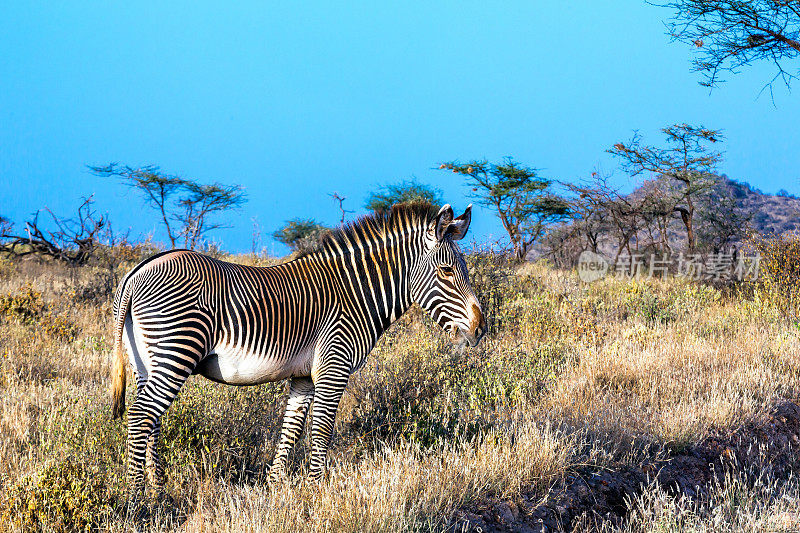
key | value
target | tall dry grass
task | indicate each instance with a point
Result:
(608, 374)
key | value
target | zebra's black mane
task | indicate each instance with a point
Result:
(416, 212)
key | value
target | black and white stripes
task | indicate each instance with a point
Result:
(312, 321)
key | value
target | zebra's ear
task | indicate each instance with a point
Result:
(458, 228)
(442, 221)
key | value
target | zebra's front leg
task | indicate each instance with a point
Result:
(328, 391)
(301, 392)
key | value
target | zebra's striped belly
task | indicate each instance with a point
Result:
(237, 366)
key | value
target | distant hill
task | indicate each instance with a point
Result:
(772, 213)
(724, 217)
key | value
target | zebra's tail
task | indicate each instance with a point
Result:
(119, 374)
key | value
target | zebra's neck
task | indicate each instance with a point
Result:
(372, 266)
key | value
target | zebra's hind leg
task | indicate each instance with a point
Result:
(154, 464)
(151, 402)
(301, 392)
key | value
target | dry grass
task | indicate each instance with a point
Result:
(606, 374)
(740, 502)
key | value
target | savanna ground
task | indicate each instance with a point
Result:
(575, 380)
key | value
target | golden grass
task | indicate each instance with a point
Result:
(605, 374)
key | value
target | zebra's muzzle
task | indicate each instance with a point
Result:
(460, 337)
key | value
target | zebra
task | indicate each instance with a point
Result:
(312, 320)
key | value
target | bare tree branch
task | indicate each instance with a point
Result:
(338, 198)
(73, 241)
(730, 34)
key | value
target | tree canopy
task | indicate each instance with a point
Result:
(300, 233)
(404, 192)
(186, 207)
(519, 196)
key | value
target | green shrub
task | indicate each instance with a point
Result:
(643, 302)
(424, 390)
(223, 429)
(412, 391)
(28, 307)
(495, 282)
(82, 426)
(67, 495)
(779, 274)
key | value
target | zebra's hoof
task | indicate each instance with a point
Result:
(156, 481)
(316, 478)
(136, 510)
(277, 477)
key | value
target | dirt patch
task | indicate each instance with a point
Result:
(592, 497)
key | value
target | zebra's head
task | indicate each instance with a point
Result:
(440, 282)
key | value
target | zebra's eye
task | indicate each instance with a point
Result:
(446, 270)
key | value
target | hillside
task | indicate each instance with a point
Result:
(770, 213)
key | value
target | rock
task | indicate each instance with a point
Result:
(470, 522)
(593, 498)
(503, 511)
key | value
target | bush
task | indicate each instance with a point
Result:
(419, 396)
(222, 429)
(652, 308)
(654, 303)
(779, 274)
(418, 387)
(495, 282)
(301, 234)
(28, 307)
(97, 291)
(59, 327)
(66, 495)
(83, 428)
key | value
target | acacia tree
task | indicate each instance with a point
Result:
(522, 199)
(686, 163)
(186, 207)
(729, 34)
(400, 193)
(723, 219)
(199, 203)
(599, 210)
(300, 233)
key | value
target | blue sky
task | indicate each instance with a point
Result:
(297, 100)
